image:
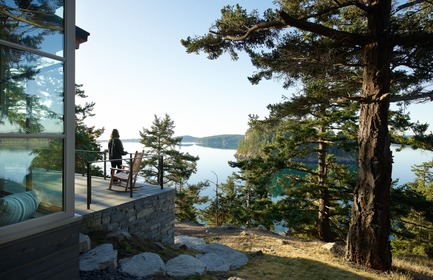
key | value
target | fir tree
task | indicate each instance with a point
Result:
(412, 208)
(161, 144)
(384, 46)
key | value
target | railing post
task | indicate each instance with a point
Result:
(130, 175)
(89, 186)
(105, 165)
(83, 165)
(161, 171)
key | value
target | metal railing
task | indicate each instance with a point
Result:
(84, 160)
(88, 165)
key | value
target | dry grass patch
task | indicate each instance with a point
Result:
(276, 257)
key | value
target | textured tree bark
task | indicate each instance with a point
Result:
(368, 239)
(323, 225)
(369, 231)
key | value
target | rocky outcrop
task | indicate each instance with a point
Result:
(84, 243)
(185, 265)
(143, 265)
(99, 258)
(213, 257)
(234, 259)
(190, 242)
(334, 248)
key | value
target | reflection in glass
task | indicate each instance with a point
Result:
(31, 93)
(34, 24)
(31, 178)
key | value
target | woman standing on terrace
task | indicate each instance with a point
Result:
(115, 150)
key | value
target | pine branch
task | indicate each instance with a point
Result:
(287, 21)
(259, 26)
(416, 224)
(423, 97)
(339, 36)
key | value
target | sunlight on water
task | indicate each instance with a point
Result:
(404, 160)
(211, 159)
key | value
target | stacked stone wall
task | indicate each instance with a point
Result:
(150, 218)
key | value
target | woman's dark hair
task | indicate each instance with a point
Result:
(115, 134)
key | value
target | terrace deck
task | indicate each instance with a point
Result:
(102, 198)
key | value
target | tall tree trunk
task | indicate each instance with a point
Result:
(324, 227)
(368, 242)
(323, 224)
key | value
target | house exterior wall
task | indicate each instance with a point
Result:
(52, 254)
(44, 245)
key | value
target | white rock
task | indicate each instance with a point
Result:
(143, 265)
(185, 265)
(101, 257)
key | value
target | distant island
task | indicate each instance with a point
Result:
(224, 141)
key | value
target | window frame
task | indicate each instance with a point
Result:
(54, 220)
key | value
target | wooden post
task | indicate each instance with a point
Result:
(130, 175)
(161, 171)
(89, 186)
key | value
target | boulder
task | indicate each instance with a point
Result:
(334, 248)
(214, 262)
(84, 243)
(100, 257)
(190, 242)
(143, 265)
(234, 258)
(185, 265)
(262, 228)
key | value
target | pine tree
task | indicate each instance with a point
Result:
(188, 199)
(255, 194)
(384, 46)
(303, 142)
(228, 207)
(412, 208)
(160, 143)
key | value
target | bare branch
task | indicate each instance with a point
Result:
(259, 26)
(340, 36)
(339, 5)
(416, 224)
(287, 21)
(410, 4)
(424, 97)
(412, 38)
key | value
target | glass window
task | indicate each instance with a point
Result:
(33, 140)
(31, 178)
(33, 24)
(31, 93)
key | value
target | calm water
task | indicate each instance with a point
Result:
(211, 160)
(216, 160)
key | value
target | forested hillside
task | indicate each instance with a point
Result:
(252, 145)
(226, 141)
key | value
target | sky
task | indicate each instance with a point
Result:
(134, 67)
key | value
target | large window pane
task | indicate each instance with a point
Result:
(34, 24)
(31, 178)
(31, 93)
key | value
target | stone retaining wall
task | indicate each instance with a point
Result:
(150, 218)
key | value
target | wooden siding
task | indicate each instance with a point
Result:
(53, 254)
